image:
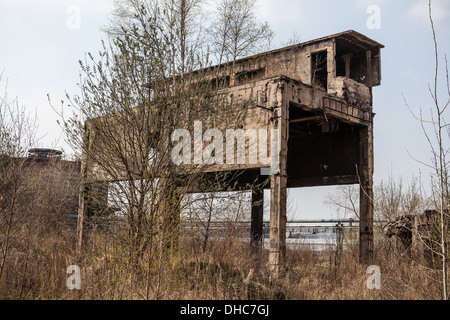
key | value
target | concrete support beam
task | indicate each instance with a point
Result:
(169, 220)
(82, 215)
(82, 200)
(277, 248)
(347, 60)
(93, 201)
(366, 195)
(369, 66)
(257, 216)
(278, 182)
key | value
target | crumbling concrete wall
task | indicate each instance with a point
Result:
(419, 235)
(315, 91)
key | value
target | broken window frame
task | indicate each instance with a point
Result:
(319, 69)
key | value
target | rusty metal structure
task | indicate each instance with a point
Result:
(318, 96)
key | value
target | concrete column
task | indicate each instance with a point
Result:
(83, 194)
(169, 220)
(369, 67)
(82, 214)
(366, 195)
(257, 215)
(93, 201)
(347, 60)
(277, 247)
(278, 180)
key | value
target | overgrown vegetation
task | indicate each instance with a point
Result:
(227, 270)
(153, 49)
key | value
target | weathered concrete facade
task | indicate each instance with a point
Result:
(318, 95)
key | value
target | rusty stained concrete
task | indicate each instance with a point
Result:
(318, 94)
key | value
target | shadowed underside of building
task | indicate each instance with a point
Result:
(317, 96)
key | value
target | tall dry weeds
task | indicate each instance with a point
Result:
(226, 270)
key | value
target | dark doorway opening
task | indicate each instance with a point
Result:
(319, 70)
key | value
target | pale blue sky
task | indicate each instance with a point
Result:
(39, 54)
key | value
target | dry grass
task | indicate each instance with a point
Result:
(36, 269)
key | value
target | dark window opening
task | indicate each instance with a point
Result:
(359, 70)
(361, 64)
(249, 76)
(340, 67)
(319, 70)
(220, 83)
(315, 152)
(217, 83)
(353, 66)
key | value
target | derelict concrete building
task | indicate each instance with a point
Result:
(318, 96)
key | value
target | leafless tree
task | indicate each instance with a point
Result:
(218, 215)
(36, 197)
(293, 40)
(436, 132)
(395, 198)
(344, 201)
(17, 134)
(237, 33)
(149, 80)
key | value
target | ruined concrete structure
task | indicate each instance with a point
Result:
(420, 236)
(401, 228)
(318, 94)
(45, 170)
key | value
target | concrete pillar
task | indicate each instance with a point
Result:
(365, 172)
(369, 67)
(257, 216)
(93, 201)
(277, 246)
(83, 194)
(347, 60)
(170, 218)
(82, 214)
(278, 179)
